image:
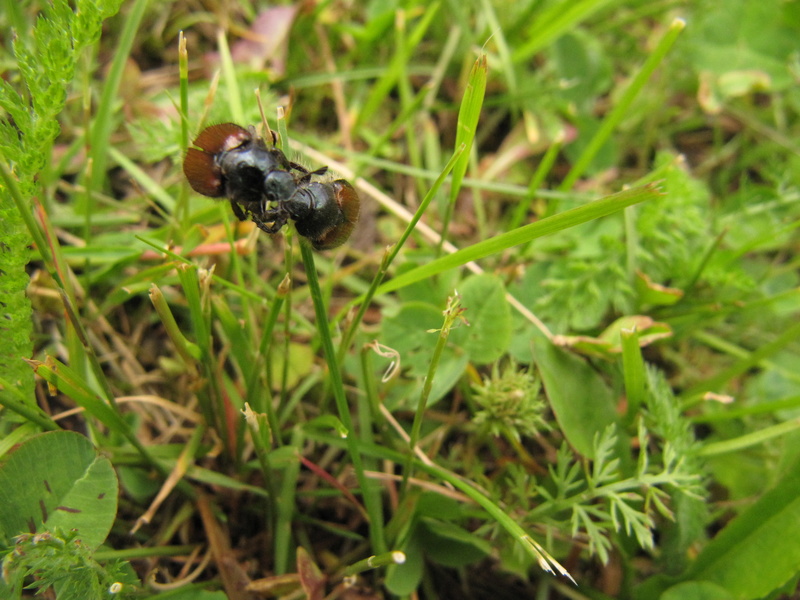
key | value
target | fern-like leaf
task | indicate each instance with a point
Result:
(15, 308)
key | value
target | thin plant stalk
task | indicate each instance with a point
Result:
(391, 253)
(374, 510)
(182, 209)
(263, 403)
(285, 507)
(542, 171)
(633, 371)
(452, 314)
(621, 109)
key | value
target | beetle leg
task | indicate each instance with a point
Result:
(305, 174)
(238, 210)
(270, 221)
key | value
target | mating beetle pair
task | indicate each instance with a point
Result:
(261, 183)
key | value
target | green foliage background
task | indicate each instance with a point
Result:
(605, 208)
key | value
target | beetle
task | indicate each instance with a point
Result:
(233, 162)
(325, 213)
(261, 183)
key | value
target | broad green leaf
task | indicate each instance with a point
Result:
(403, 579)
(412, 333)
(696, 590)
(758, 551)
(438, 506)
(450, 545)
(57, 479)
(489, 315)
(407, 331)
(300, 358)
(737, 35)
(579, 59)
(582, 403)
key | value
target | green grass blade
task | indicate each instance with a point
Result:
(633, 372)
(374, 511)
(620, 110)
(234, 94)
(104, 119)
(499, 243)
(749, 440)
(553, 22)
(764, 535)
(789, 336)
(466, 126)
(384, 85)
